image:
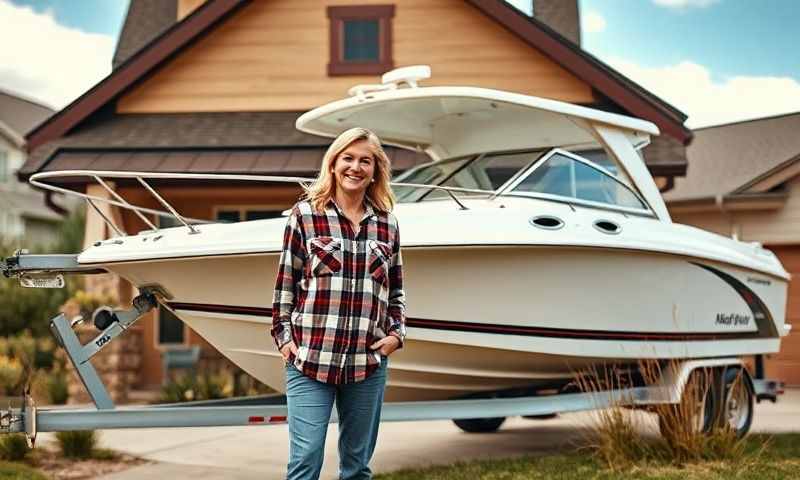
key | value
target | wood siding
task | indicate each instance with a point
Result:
(775, 227)
(185, 7)
(274, 55)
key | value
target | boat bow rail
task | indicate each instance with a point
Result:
(42, 179)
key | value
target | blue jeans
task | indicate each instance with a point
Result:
(359, 408)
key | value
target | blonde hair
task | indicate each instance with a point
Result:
(379, 192)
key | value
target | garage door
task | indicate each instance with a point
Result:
(786, 365)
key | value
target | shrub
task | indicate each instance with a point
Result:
(57, 387)
(14, 447)
(190, 387)
(619, 435)
(17, 471)
(12, 375)
(77, 444)
(32, 308)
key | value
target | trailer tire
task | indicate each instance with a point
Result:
(738, 401)
(479, 425)
(708, 410)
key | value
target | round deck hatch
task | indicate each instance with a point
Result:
(607, 226)
(547, 222)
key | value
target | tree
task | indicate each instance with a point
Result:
(32, 308)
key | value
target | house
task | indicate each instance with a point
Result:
(216, 86)
(744, 181)
(23, 213)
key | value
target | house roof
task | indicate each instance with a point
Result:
(255, 161)
(608, 82)
(229, 142)
(19, 115)
(27, 204)
(727, 159)
(106, 138)
(145, 20)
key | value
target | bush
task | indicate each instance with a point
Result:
(77, 444)
(32, 308)
(12, 375)
(618, 436)
(57, 387)
(50, 387)
(20, 356)
(14, 447)
(190, 387)
(16, 471)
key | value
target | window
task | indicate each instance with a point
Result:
(3, 166)
(568, 177)
(233, 214)
(488, 172)
(491, 171)
(360, 39)
(430, 174)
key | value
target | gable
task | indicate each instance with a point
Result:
(242, 64)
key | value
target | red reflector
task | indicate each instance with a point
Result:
(256, 419)
(277, 419)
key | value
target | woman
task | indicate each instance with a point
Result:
(339, 306)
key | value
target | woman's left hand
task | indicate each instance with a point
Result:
(387, 345)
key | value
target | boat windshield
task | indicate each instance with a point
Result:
(481, 172)
(563, 175)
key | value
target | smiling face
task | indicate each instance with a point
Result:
(354, 168)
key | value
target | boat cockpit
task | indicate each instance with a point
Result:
(586, 177)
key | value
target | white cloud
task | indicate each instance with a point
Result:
(684, 4)
(593, 22)
(48, 61)
(690, 88)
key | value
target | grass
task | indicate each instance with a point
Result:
(780, 460)
(17, 471)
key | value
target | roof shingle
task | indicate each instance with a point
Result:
(725, 157)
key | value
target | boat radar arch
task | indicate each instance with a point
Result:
(392, 79)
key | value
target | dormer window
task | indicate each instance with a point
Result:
(360, 40)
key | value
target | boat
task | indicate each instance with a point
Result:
(535, 244)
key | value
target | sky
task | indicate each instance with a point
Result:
(718, 61)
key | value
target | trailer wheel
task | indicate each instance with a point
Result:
(701, 395)
(738, 401)
(479, 425)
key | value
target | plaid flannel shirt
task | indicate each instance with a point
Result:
(338, 291)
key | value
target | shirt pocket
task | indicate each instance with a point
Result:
(378, 261)
(326, 256)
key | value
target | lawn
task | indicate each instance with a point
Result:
(779, 460)
(18, 471)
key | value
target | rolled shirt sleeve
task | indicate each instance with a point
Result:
(290, 272)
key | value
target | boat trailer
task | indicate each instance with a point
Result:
(27, 418)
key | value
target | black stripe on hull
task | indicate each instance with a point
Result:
(764, 322)
(501, 329)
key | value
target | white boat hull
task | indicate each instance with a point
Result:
(532, 315)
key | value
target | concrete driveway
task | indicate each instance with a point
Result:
(243, 453)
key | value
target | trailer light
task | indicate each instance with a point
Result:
(41, 281)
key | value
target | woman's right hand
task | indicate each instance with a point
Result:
(289, 348)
